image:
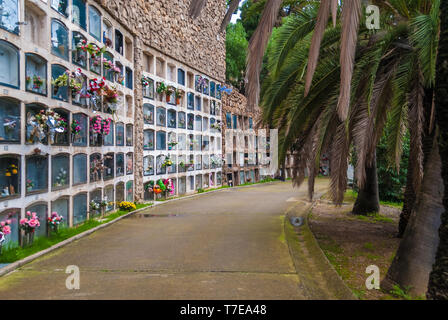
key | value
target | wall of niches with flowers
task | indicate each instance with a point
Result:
(182, 125)
(67, 109)
(89, 113)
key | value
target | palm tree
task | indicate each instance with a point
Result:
(393, 71)
(309, 126)
(438, 281)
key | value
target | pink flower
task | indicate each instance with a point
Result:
(23, 221)
(7, 230)
(32, 223)
(28, 213)
(2, 223)
(8, 221)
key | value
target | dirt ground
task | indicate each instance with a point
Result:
(352, 243)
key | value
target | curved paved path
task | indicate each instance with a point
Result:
(224, 245)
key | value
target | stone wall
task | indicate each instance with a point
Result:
(166, 26)
(236, 103)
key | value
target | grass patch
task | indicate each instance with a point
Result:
(398, 205)
(374, 217)
(369, 246)
(350, 195)
(13, 254)
(403, 293)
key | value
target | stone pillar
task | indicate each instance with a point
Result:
(138, 121)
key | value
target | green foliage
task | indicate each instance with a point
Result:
(236, 51)
(398, 292)
(250, 16)
(390, 182)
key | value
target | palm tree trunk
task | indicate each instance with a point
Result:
(416, 253)
(438, 281)
(368, 200)
(409, 201)
(427, 138)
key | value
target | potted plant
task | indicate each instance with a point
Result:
(167, 163)
(54, 221)
(168, 92)
(161, 89)
(29, 185)
(75, 129)
(179, 95)
(172, 144)
(28, 225)
(103, 205)
(94, 207)
(5, 230)
(59, 82)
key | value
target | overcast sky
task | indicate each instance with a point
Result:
(236, 16)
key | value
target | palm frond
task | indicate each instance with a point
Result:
(257, 47)
(339, 164)
(321, 24)
(351, 11)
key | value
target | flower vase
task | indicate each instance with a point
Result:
(177, 101)
(76, 97)
(168, 98)
(28, 239)
(52, 229)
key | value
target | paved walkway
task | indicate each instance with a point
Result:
(224, 245)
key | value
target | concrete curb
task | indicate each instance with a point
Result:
(334, 287)
(15, 265)
(348, 293)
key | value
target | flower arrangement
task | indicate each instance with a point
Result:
(54, 221)
(30, 222)
(99, 125)
(145, 82)
(149, 186)
(127, 206)
(94, 206)
(110, 94)
(36, 80)
(161, 88)
(168, 92)
(96, 86)
(161, 185)
(156, 189)
(5, 229)
(9, 124)
(61, 178)
(166, 185)
(92, 49)
(75, 127)
(179, 94)
(47, 122)
(167, 163)
(216, 126)
(29, 185)
(11, 170)
(61, 81)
